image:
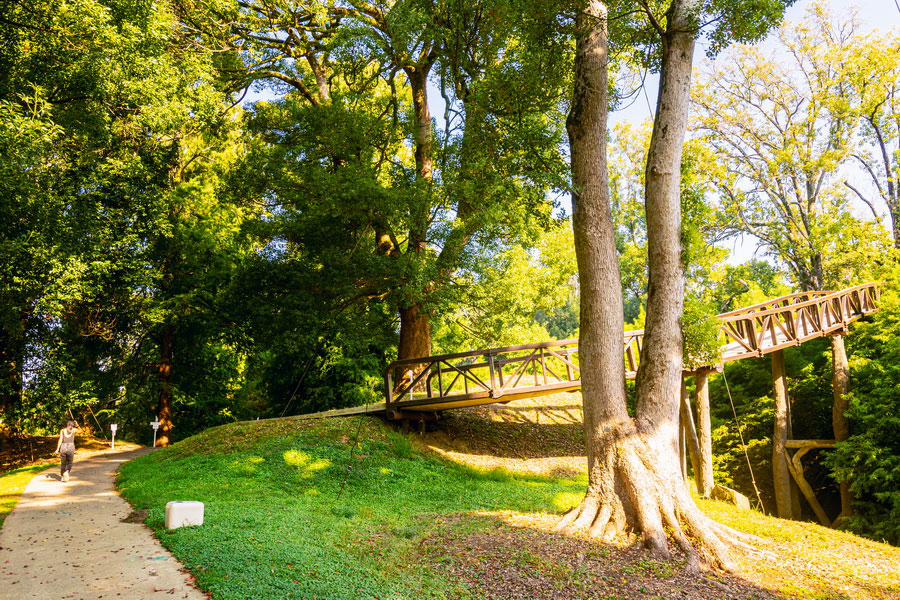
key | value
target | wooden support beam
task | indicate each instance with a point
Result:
(780, 470)
(689, 431)
(704, 477)
(796, 467)
(840, 385)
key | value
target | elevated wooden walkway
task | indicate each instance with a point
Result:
(437, 383)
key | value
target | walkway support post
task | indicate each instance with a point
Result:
(840, 385)
(689, 431)
(785, 489)
(705, 481)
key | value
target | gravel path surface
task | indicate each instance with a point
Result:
(68, 540)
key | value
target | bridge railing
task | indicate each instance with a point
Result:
(791, 320)
(544, 367)
(483, 373)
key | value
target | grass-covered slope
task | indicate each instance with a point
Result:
(297, 509)
(278, 524)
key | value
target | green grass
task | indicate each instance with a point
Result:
(278, 525)
(13, 483)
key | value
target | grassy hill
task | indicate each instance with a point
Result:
(351, 508)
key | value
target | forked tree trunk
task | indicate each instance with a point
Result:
(164, 377)
(634, 477)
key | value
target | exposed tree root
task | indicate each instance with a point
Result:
(639, 491)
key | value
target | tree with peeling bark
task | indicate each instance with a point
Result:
(634, 480)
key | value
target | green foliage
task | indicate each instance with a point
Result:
(870, 458)
(300, 507)
(512, 297)
(701, 334)
(780, 138)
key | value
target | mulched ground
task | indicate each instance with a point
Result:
(517, 557)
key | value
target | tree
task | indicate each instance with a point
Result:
(781, 129)
(119, 100)
(518, 296)
(782, 135)
(874, 74)
(870, 458)
(420, 218)
(634, 479)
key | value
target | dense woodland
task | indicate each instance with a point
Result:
(398, 186)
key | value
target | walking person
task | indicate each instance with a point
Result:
(65, 447)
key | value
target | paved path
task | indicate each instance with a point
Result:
(67, 540)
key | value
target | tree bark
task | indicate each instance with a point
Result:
(415, 332)
(164, 377)
(422, 135)
(840, 385)
(705, 481)
(415, 322)
(634, 479)
(689, 431)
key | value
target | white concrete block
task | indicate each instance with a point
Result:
(183, 514)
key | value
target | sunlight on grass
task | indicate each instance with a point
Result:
(322, 521)
(292, 512)
(13, 483)
(567, 500)
(305, 462)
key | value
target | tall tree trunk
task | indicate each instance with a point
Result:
(415, 322)
(705, 480)
(634, 477)
(164, 377)
(606, 419)
(415, 337)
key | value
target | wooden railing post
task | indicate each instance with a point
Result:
(388, 388)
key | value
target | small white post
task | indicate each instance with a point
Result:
(155, 426)
(112, 428)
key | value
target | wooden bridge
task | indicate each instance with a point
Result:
(416, 389)
(437, 383)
